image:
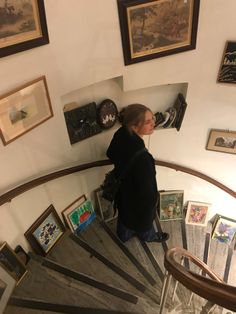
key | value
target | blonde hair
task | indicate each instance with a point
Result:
(133, 115)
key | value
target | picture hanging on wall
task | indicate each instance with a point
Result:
(7, 284)
(197, 213)
(224, 229)
(171, 205)
(153, 29)
(227, 73)
(24, 108)
(222, 141)
(22, 26)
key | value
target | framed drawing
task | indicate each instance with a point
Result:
(82, 122)
(224, 229)
(22, 26)
(23, 109)
(171, 205)
(222, 141)
(70, 208)
(104, 207)
(12, 264)
(197, 213)
(227, 72)
(152, 29)
(45, 231)
(7, 284)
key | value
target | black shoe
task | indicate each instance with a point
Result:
(160, 237)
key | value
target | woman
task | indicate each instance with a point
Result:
(137, 197)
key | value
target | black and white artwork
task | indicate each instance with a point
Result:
(227, 73)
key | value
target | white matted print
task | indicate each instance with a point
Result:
(197, 213)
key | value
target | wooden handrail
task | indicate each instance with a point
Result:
(213, 289)
(8, 196)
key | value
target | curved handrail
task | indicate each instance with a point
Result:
(213, 289)
(8, 196)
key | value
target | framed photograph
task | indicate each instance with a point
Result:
(197, 213)
(222, 141)
(22, 26)
(45, 231)
(224, 229)
(153, 29)
(7, 284)
(104, 207)
(171, 205)
(70, 208)
(12, 264)
(227, 72)
(23, 109)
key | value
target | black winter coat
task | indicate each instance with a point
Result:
(137, 196)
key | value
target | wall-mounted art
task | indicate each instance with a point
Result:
(12, 264)
(45, 231)
(105, 208)
(171, 205)
(222, 141)
(227, 72)
(197, 213)
(7, 284)
(82, 122)
(152, 29)
(22, 26)
(224, 229)
(107, 114)
(23, 109)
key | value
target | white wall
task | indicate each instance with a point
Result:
(85, 48)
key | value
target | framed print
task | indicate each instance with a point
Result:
(7, 284)
(45, 231)
(12, 264)
(222, 141)
(171, 205)
(153, 29)
(23, 109)
(197, 213)
(224, 229)
(22, 26)
(104, 207)
(70, 208)
(227, 72)
(81, 216)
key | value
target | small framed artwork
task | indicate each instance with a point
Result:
(107, 114)
(180, 105)
(224, 229)
(81, 216)
(22, 26)
(104, 207)
(45, 231)
(12, 264)
(153, 29)
(23, 109)
(197, 213)
(227, 72)
(70, 208)
(7, 284)
(171, 205)
(222, 141)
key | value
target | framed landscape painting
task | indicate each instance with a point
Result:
(224, 229)
(197, 213)
(45, 231)
(22, 26)
(222, 141)
(227, 72)
(152, 29)
(171, 205)
(7, 284)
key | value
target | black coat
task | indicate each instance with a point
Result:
(137, 197)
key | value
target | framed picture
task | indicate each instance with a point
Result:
(222, 141)
(81, 216)
(224, 229)
(180, 105)
(197, 213)
(227, 72)
(82, 122)
(171, 205)
(153, 29)
(45, 231)
(23, 256)
(12, 264)
(70, 208)
(7, 284)
(22, 26)
(104, 207)
(23, 109)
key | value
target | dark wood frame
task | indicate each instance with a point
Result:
(227, 71)
(220, 134)
(31, 238)
(125, 5)
(29, 44)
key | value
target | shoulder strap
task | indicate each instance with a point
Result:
(131, 161)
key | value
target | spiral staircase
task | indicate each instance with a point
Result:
(95, 272)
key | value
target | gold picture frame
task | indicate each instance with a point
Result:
(23, 109)
(222, 141)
